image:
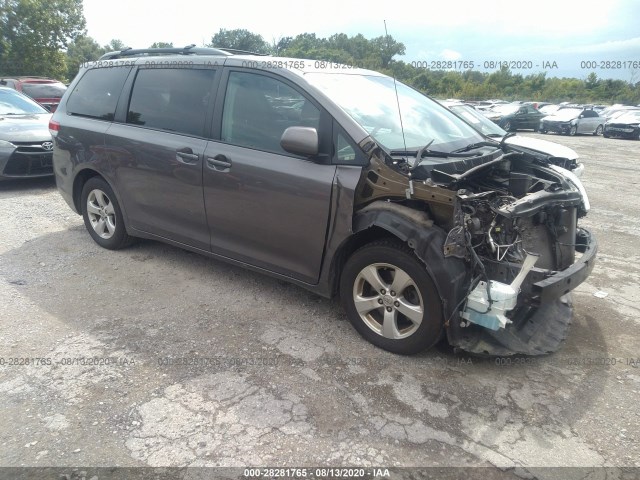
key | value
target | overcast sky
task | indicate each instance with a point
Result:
(566, 32)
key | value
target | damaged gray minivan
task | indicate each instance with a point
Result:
(339, 180)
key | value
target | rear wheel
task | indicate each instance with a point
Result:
(102, 215)
(598, 130)
(390, 298)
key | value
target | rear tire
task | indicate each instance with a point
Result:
(102, 215)
(598, 130)
(390, 298)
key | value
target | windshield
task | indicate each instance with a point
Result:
(44, 90)
(568, 113)
(505, 109)
(629, 117)
(13, 103)
(478, 121)
(371, 101)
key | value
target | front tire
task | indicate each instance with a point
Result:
(390, 298)
(573, 131)
(598, 130)
(507, 126)
(102, 215)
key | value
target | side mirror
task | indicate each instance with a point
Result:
(581, 116)
(300, 141)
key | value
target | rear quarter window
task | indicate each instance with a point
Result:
(96, 94)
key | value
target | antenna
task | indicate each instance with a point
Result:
(409, 190)
(395, 86)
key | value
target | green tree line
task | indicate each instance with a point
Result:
(49, 38)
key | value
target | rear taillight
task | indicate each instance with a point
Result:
(54, 127)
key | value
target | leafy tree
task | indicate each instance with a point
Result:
(82, 49)
(33, 34)
(161, 45)
(279, 46)
(240, 39)
(592, 81)
(115, 45)
(387, 48)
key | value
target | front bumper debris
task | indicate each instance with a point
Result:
(540, 322)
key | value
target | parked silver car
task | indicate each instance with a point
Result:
(573, 120)
(26, 146)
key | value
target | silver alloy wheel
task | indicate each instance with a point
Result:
(388, 300)
(101, 214)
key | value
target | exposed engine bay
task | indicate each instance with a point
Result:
(511, 215)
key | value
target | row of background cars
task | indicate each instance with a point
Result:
(564, 118)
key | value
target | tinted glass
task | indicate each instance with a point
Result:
(97, 93)
(13, 103)
(258, 109)
(175, 100)
(44, 90)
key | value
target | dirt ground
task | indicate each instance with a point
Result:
(153, 356)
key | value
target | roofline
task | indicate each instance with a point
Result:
(188, 50)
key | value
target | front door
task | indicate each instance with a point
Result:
(266, 207)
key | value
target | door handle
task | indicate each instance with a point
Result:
(187, 156)
(219, 163)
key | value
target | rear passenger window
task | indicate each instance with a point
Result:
(175, 100)
(258, 109)
(97, 93)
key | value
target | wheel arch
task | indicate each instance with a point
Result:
(414, 227)
(81, 179)
(78, 184)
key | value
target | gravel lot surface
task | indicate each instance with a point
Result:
(274, 375)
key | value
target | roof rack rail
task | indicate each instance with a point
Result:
(236, 51)
(141, 52)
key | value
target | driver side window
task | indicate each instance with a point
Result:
(259, 108)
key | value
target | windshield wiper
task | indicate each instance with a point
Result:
(473, 146)
(420, 152)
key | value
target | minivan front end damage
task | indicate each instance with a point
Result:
(511, 219)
